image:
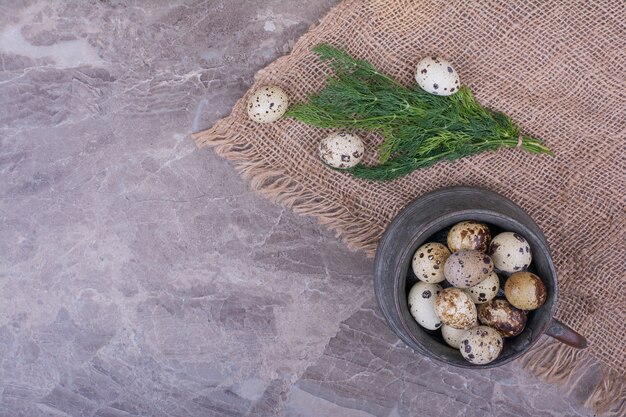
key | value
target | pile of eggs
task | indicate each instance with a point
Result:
(459, 284)
(343, 150)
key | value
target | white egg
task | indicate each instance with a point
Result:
(267, 104)
(342, 150)
(422, 304)
(437, 76)
(485, 290)
(481, 345)
(453, 336)
(510, 252)
(428, 262)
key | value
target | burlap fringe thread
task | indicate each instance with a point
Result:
(562, 365)
(549, 360)
(279, 188)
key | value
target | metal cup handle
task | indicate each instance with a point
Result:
(565, 334)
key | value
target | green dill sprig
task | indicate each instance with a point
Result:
(418, 129)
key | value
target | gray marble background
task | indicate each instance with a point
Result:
(140, 277)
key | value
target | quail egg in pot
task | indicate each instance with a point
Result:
(503, 317)
(469, 235)
(510, 252)
(428, 262)
(481, 345)
(421, 302)
(486, 290)
(466, 268)
(455, 308)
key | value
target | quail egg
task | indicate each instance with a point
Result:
(342, 150)
(481, 345)
(267, 104)
(510, 252)
(455, 308)
(428, 262)
(503, 317)
(422, 304)
(485, 290)
(437, 76)
(453, 336)
(525, 290)
(469, 235)
(466, 268)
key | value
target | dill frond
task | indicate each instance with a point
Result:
(418, 129)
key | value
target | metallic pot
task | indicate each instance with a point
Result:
(427, 219)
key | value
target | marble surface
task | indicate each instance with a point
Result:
(140, 276)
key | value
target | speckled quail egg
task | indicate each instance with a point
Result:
(342, 150)
(453, 336)
(485, 290)
(503, 317)
(469, 236)
(510, 252)
(267, 104)
(466, 268)
(481, 345)
(525, 290)
(455, 308)
(437, 76)
(422, 304)
(428, 262)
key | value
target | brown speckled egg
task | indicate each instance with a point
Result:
(485, 290)
(267, 104)
(481, 345)
(453, 336)
(525, 290)
(469, 235)
(510, 252)
(467, 268)
(428, 262)
(503, 317)
(455, 308)
(342, 150)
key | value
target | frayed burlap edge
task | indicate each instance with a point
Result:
(549, 360)
(279, 188)
(562, 365)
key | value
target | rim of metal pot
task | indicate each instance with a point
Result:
(440, 223)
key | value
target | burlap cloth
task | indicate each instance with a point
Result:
(557, 68)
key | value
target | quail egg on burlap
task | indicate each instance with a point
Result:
(421, 302)
(428, 262)
(267, 104)
(455, 308)
(342, 150)
(525, 290)
(453, 336)
(469, 235)
(437, 76)
(466, 268)
(485, 290)
(510, 252)
(503, 317)
(481, 345)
